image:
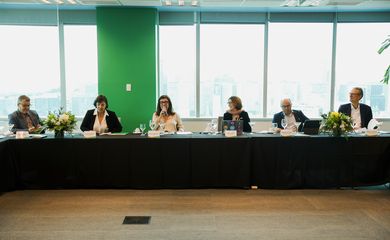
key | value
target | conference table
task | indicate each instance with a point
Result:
(197, 160)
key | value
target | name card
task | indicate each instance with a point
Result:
(22, 134)
(89, 134)
(230, 133)
(153, 134)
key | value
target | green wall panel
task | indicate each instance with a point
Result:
(127, 54)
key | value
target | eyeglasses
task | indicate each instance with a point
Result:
(285, 106)
(355, 94)
(164, 101)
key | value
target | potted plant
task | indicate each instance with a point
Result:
(385, 45)
(336, 124)
(60, 122)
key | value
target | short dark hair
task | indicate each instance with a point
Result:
(99, 99)
(236, 102)
(360, 90)
(22, 98)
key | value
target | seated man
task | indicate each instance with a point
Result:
(24, 118)
(360, 113)
(292, 116)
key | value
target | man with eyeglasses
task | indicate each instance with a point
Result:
(291, 116)
(360, 113)
(24, 118)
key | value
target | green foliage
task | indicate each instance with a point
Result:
(385, 45)
(336, 124)
(60, 121)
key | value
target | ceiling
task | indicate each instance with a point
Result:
(209, 4)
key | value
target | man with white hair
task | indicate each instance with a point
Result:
(291, 116)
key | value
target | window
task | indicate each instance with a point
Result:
(299, 67)
(29, 64)
(359, 65)
(231, 63)
(177, 67)
(81, 67)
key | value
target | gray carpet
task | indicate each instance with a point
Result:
(196, 214)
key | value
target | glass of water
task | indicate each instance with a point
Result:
(152, 125)
(142, 126)
(284, 123)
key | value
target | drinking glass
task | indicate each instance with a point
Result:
(213, 125)
(284, 123)
(162, 126)
(142, 126)
(152, 125)
(274, 127)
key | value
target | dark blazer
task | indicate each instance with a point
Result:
(299, 117)
(365, 112)
(16, 118)
(113, 123)
(243, 116)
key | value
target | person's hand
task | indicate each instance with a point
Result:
(32, 129)
(163, 111)
(278, 130)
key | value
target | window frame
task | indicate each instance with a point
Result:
(265, 18)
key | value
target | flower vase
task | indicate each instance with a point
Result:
(59, 134)
(337, 132)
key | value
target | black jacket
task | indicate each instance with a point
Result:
(298, 115)
(365, 112)
(113, 123)
(243, 116)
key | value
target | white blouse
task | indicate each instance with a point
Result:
(100, 127)
(173, 123)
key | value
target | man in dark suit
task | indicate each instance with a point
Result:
(360, 113)
(24, 118)
(291, 116)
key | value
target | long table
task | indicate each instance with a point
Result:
(194, 161)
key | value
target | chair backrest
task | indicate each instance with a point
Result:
(220, 119)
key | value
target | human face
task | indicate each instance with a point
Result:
(164, 103)
(24, 106)
(286, 107)
(354, 96)
(101, 107)
(231, 105)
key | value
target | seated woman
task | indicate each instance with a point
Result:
(101, 119)
(165, 119)
(236, 112)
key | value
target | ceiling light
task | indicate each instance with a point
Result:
(72, 1)
(194, 3)
(168, 2)
(46, 1)
(181, 2)
(59, 2)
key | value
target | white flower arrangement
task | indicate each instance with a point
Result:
(60, 121)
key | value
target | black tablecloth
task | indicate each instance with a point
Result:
(132, 162)
(320, 162)
(194, 161)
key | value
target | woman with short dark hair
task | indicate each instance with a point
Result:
(235, 112)
(101, 119)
